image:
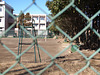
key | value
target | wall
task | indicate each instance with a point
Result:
(8, 19)
(2, 16)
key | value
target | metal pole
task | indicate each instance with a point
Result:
(34, 40)
(20, 43)
(34, 34)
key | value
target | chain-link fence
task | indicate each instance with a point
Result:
(71, 4)
(16, 34)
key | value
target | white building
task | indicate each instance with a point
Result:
(5, 19)
(40, 23)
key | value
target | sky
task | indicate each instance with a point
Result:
(19, 5)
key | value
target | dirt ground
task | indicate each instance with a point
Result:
(71, 62)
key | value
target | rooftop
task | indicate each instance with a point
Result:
(4, 3)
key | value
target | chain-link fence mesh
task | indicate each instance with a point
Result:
(71, 4)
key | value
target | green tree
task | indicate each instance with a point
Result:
(72, 22)
(68, 21)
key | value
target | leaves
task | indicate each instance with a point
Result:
(72, 22)
(25, 19)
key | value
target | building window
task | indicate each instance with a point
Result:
(0, 9)
(42, 18)
(35, 24)
(0, 20)
(35, 18)
(0, 27)
(42, 24)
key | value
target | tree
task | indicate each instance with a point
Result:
(72, 22)
(27, 19)
(21, 17)
(68, 21)
(20, 20)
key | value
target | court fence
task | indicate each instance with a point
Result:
(71, 4)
